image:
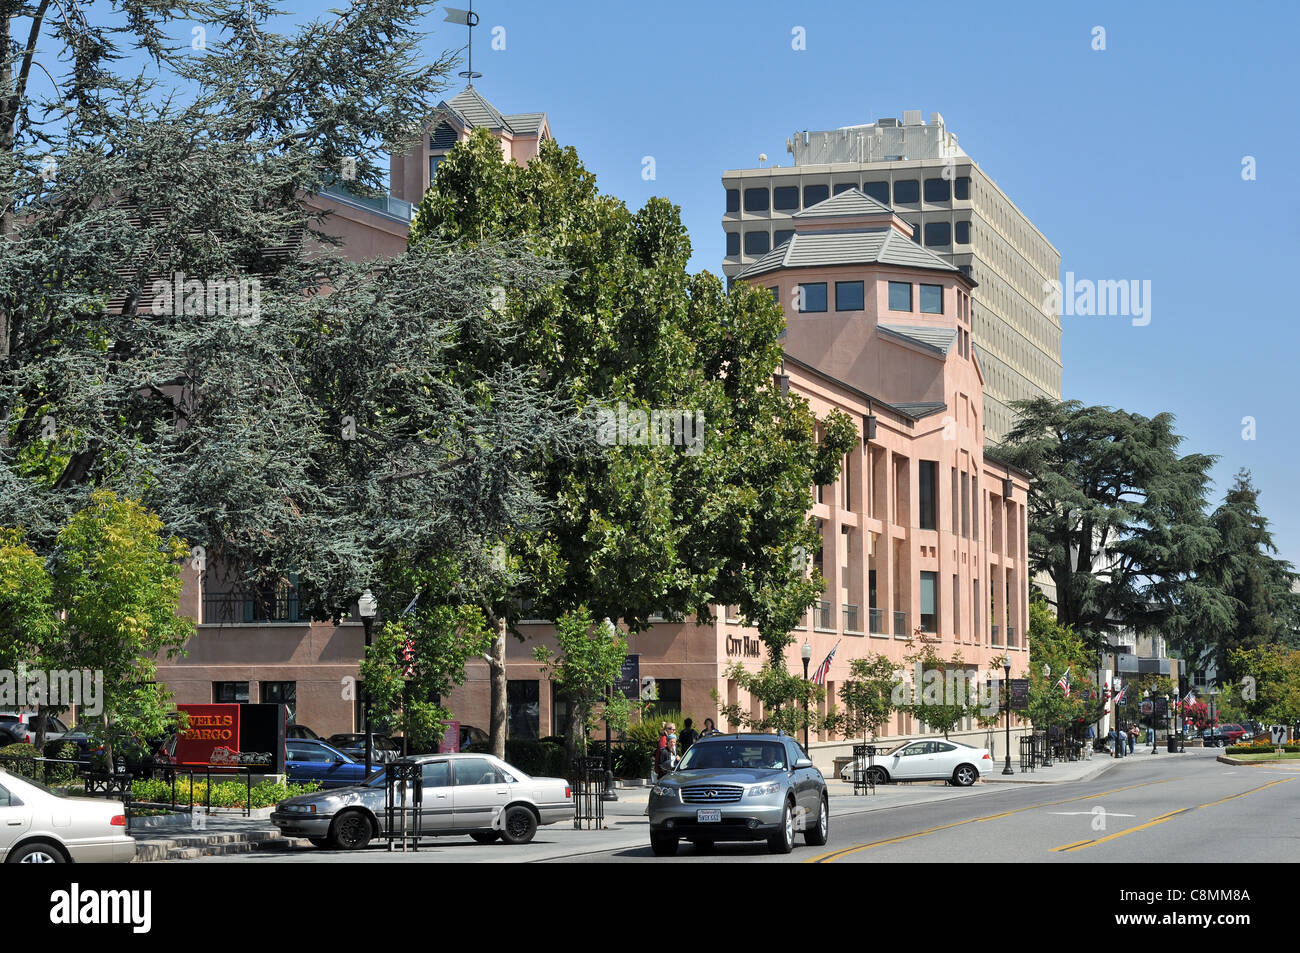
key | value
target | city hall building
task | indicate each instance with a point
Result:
(924, 538)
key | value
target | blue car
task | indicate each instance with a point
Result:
(309, 759)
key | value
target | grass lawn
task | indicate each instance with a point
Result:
(1268, 756)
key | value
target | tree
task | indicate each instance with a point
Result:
(584, 672)
(1249, 602)
(867, 695)
(942, 693)
(1269, 687)
(787, 701)
(642, 527)
(1054, 650)
(1115, 515)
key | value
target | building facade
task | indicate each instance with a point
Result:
(955, 209)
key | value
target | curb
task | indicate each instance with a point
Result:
(1228, 759)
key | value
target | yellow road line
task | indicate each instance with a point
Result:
(1071, 848)
(835, 855)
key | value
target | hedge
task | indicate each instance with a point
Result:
(224, 793)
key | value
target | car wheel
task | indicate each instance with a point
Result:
(37, 854)
(520, 825)
(351, 830)
(663, 845)
(782, 842)
(817, 835)
(486, 837)
(965, 775)
(321, 842)
(878, 776)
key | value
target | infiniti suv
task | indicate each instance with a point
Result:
(739, 787)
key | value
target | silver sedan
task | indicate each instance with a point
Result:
(474, 795)
(38, 826)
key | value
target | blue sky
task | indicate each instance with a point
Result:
(1128, 159)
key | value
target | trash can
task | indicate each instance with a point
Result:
(1171, 744)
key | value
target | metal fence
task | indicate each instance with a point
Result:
(403, 804)
(864, 764)
(589, 783)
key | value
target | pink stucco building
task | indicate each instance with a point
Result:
(921, 530)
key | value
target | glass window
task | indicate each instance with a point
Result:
(937, 190)
(733, 200)
(523, 709)
(733, 243)
(776, 293)
(812, 194)
(844, 187)
(781, 236)
(434, 162)
(916, 231)
(670, 697)
(785, 198)
(756, 200)
(470, 771)
(928, 475)
(907, 192)
(229, 693)
(961, 187)
(5, 800)
(757, 243)
(849, 296)
(812, 297)
(877, 190)
(900, 296)
(435, 774)
(938, 233)
(962, 232)
(932, 299)
(929, 599)
(282, 693)
(309, 751)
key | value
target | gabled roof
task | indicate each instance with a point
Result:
(922, 408)
(861, 246)
(526, 124)
(850, 202)
(938, 340)
(472, 111)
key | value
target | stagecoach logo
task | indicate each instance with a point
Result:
(75, 906)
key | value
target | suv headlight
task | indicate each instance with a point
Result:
(763, 790)
(664, 790)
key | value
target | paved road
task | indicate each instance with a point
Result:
(1175, 808)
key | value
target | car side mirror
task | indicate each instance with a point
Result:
(802, 764)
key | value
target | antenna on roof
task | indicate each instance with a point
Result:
(467, 18)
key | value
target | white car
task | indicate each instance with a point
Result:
(931, 759)
(38, 826)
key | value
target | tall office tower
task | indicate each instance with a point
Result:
(955, 209)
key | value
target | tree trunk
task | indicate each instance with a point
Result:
(497, 740)
(575, 738)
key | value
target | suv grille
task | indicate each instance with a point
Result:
(712, 794)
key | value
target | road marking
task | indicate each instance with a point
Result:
(835, 855)
(1071, 848)
(1101, 813)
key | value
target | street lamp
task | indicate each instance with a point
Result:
(1047, 747)
(1006, 690)
(1153, 722)
(609, 794)
(806, 654)
(367, 606)
(1114, 705)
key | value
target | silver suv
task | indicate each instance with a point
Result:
(739, 787)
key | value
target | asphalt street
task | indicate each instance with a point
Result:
(1168, 808)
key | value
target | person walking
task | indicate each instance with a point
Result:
(709, 728)
(689, 736)
(1132, 737)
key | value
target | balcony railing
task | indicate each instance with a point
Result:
(236, 608)
(822, 615)
(851, 618)
(878, 621)
(900, 625)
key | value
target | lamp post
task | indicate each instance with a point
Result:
(1006, 690)
(1169, 711)
(806, 654)
(1047, 746)
(367, 606)
(609, 794)
(1153, 722)
(1119, 735)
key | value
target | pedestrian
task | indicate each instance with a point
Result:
(663, 755)
(672, 743)
(1132, 737)
(1092, 737)
(689, 736)
(709, 728)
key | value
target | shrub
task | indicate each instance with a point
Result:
(24, 769)
(538, 758)
(231, 794)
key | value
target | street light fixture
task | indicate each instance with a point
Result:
(1115, 685)
(806, 654)
(609, 794)
(1006, 690)
(1153, 722)
(1047, 739)
(367, 606)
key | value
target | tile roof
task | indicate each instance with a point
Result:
(850, 202)
(473, 111)
(860, 246)
(935, 339)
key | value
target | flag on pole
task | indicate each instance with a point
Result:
(819, 678)
(1064, 682)
(1189, 698)
(1120, 697)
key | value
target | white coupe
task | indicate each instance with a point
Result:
(928, 760)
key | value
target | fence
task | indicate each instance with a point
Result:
(589, 784)
(403, 804)
(864, 769)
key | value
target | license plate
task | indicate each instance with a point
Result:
(708, 817)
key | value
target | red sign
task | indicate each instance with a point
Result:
(450, 738)
(211, 728)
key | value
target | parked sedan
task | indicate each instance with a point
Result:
(38, 826)
(474, 795)
(739, 787)
(307, 759)
(929, 760)
(353, 744)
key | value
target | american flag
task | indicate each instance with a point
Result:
(1120, 697)
(1064, 683)
(819, 678)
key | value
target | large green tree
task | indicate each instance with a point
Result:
(1116, 515)
(717, 517)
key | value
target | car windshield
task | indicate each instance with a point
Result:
(750, 755)
(898, 748)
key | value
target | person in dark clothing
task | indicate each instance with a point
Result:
(688, 736)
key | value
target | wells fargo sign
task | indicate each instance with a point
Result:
(211, 727)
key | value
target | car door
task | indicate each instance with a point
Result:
(946, 758)
(15, 818)
(480, 792)
(437, 794)
(807, 794)
(910, 763)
